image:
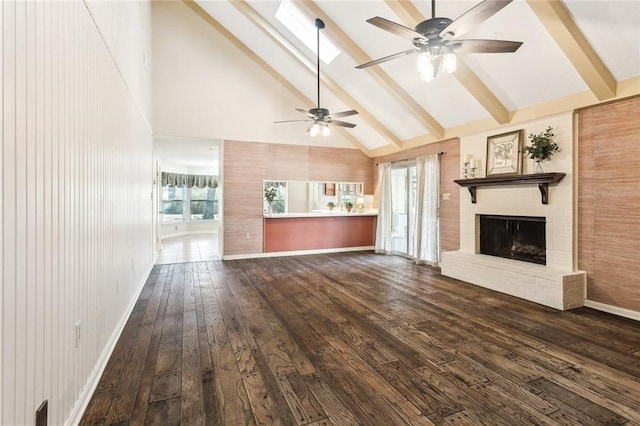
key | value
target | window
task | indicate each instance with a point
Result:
(202, 203)
(172, 204)
(180, 204)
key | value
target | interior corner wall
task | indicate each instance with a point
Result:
(247, 164)
(609, 201)
(75, 208)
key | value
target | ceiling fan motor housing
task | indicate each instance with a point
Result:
(319, 113)
(431, 28)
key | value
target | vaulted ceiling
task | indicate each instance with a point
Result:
(575, 53)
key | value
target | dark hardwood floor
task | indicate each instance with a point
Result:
(359, 339)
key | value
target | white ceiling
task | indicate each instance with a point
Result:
(497, 89)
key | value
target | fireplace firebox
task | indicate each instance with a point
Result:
(514, 237)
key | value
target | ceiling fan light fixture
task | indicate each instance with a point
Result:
(315, 130)
(449, 62)
(425, 66)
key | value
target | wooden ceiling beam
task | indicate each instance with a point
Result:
(557, 19)
(253, 16)
(268, 69)
(410, 15)
(352, 49)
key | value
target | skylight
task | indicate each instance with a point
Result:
(304, 28)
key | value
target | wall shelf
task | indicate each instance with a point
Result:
(541, 179)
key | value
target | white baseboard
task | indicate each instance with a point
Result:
(91, 385)
(294, 253)
(627, 313)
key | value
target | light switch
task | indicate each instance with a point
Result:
(446, 196)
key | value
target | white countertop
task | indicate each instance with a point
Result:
(322, 213)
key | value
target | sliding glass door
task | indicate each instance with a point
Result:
(403, 200)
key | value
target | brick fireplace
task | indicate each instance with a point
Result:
(556, 283)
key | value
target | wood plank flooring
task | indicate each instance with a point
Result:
(359, 339)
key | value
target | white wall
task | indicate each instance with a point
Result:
(76, 177)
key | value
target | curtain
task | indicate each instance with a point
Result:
(179, 179)
(426, 238)
(385, 212)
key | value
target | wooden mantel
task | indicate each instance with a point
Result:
(542, 179)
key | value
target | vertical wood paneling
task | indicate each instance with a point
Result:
(20, 248)
(7, 374)
(608, 202)
(75, 215)
(2, 178)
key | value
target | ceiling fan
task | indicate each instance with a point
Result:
(436, 39)
(320, 118)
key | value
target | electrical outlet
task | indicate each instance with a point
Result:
(446, 196)
(78, 334)
(247, 236)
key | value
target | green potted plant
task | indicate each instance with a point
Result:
(348, 205)
(542, 147)
(331, 205)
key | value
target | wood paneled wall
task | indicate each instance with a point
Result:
(75, 213)
(449, 170)
(247, 164)
(609, 202)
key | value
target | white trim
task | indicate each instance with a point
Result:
(294, 253)
(627, 313)
(91, 385)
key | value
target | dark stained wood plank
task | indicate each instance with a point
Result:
(141, 405)
(98, 407)
(166, 386)
(169, 357)
(264, 407)
(585, 411)
(125, 395)
(192, 398)
(302, 402)
(165, 412)
(336, 411)
(359, 338)
(233, 402)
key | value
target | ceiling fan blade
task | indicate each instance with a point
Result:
(485, 46)
(344, 113)
(388, 58)
(304, 111)
(394, 28)
(342, 123)
(291, 121)
(473, 17)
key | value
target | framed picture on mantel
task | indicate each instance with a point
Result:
(504, 153)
